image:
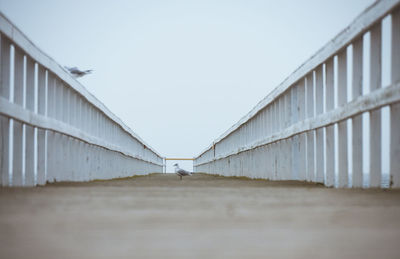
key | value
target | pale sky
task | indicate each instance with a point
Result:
(180, 73)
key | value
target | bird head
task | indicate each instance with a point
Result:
(176, 165)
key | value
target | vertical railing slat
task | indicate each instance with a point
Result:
(343, 173)
(295, 141)
(51, 112)
(395, 108)
(5, 91)
(4, 149)
(310, 134)
(357, 131)
(30, 135)
(18, 173)
(329, 131)
(319, 133)
(301, 106)
(5, 47)
(375, 115)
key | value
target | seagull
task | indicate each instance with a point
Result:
(181, 172)
(78, 73)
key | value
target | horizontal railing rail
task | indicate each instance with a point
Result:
(299, 131)
(27, 117)
(52, 128)
(379, 98)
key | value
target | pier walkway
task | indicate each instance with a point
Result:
(202, 216)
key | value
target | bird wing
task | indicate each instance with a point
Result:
(77, 72)
(183, 172)
(72, 69)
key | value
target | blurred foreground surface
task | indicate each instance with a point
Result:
(158, 216)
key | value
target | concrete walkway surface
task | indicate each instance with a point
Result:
(202, 216)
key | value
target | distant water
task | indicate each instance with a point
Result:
(385, 183)
(386, 180)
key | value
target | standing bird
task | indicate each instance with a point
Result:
(180, 171)
(78, 73)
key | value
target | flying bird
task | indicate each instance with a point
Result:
(180, 171)
(77, 72)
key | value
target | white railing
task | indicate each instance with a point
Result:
(53, 129)
(304, 128)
